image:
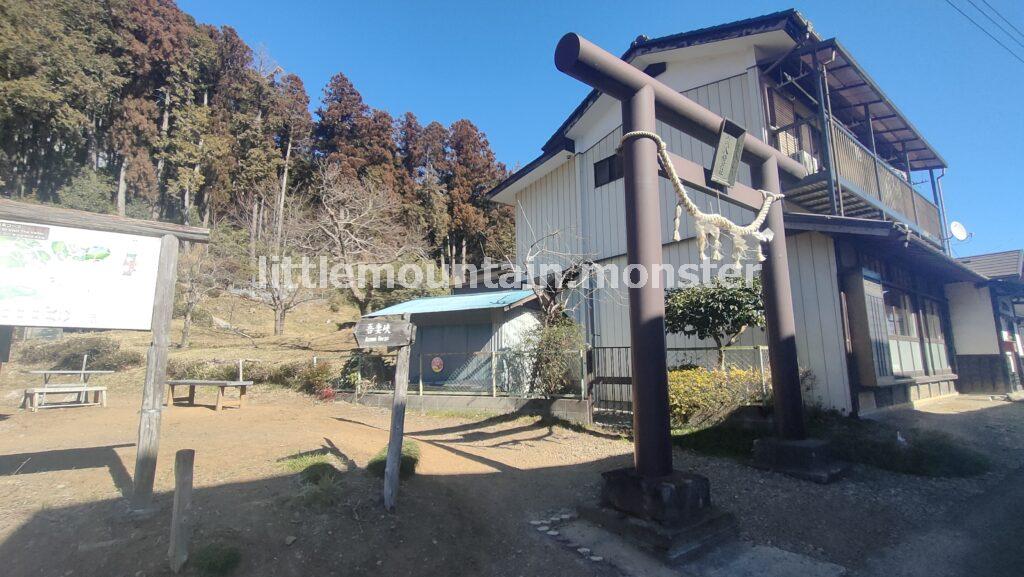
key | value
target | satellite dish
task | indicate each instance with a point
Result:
(959, 231)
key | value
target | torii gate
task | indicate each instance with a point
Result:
(644, 100)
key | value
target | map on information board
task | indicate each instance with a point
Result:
(54, 276)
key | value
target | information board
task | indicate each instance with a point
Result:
(54, 276)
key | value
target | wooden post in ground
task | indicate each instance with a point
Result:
(6, 337)
(181, 515)
(394, 461)
(156, 377)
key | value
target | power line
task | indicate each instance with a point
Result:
(994, 21)
(987, 33)
(1003, 18)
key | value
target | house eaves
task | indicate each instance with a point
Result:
(551, 159)
(885, 237)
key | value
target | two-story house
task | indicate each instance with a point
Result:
(865, 234)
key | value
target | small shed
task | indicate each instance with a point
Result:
(463, 340)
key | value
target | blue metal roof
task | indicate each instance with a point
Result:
(464, 302)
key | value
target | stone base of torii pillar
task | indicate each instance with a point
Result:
(671, 516)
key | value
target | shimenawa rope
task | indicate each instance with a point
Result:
(709, 226)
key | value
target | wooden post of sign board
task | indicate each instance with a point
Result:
(181, 514)
(394, 461)
(156, 377)
(6, 336)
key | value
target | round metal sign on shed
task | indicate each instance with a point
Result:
(437, 364)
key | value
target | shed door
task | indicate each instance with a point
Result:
(454, 356)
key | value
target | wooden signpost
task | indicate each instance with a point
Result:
(372, 333)
(6, 336)
(156, 379)
(118, 300)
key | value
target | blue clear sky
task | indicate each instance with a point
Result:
(491, 62)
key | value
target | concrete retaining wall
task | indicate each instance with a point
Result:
(573, 410)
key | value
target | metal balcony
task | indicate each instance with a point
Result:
(867, 188)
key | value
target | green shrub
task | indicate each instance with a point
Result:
(287, 373)
(216, 559)
(88, 190)
(300, 375)
(700, 397)
(203, 370)
(105, 353)
(547, 360)
(315, 379)
(364, 369)
(259, 372)
(407, 467)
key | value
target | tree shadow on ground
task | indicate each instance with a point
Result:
(69, 459)
(445, 525)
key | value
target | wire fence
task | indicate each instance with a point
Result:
(602, 374)
(611, 381)
(494, 373)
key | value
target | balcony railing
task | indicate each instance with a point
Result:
(861, 172)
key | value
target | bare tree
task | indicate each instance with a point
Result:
(358, 223)
(557, 272)
(265, 274)
(198, 276)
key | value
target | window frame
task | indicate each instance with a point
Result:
(608, 170)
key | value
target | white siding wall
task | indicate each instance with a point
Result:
(974, 325)
(567, 200)
(611, 305)
(820, 343)
(819, 319)
(518, 323)
(603, 207)
(548, 205)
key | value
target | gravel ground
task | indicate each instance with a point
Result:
(869, 509)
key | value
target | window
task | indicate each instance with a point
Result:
(904, 345)
(915, 319)
(934, 337)
(607, 170)
(899, 313)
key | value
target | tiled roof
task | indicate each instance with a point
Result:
(997, 265)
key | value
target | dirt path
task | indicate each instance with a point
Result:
(63, 474)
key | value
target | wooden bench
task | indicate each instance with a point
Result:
(242, 386)
(32, 401)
